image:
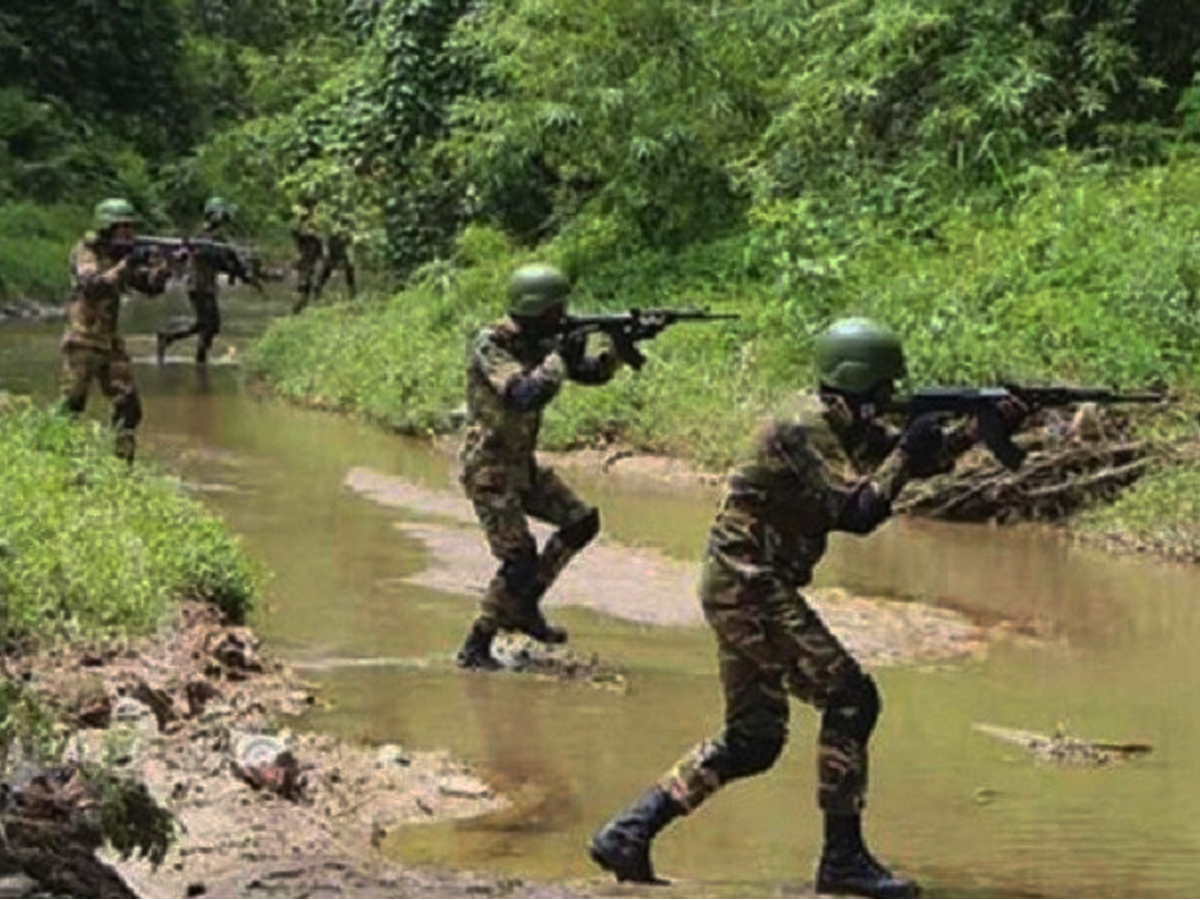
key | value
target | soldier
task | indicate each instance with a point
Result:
(515, 369)
(310, 251)
(337, 256)
(202, 288)
(834, 468)
(103, 265)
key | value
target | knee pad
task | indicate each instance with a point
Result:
(520, 573)
(127, 411)
(854, 708)
(740, 753)
(579, 534)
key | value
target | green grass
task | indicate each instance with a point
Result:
(1159, 514)
(1091, 279)
(89, 548)
(35, 242)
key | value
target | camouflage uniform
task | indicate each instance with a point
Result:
(502, 477)
(337, 256)
(802, 481)
(310, 252)
(202, 294)
(91, 345)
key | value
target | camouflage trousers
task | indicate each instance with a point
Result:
(111, 370)
(502, 503)
(306, 281)
(333, 262)
(771, 644)
(206, 324)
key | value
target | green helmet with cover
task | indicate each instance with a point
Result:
(111, 212)
(854, 355)
(217, 209)
(536, 289)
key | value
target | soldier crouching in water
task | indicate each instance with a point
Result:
(103, 265)
(834, 468)
(515, 369)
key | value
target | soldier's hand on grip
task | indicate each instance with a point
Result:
(924, 444)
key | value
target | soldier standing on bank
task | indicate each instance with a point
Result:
(309, 253)
(202, 287)
(103, 266)
(515, 369)
(836, 467)
(338, 256)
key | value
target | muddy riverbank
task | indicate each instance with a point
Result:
(211, 722)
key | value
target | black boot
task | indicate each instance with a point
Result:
(847, 866)
(623, 845)
(530, 621)
(535, 625)
(476, 651)
(161, 342)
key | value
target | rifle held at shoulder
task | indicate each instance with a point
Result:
(985, 405)
(225, 257)
(627, 329)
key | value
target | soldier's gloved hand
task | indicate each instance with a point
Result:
(924, 445)
(1013, 411)
(573, 346)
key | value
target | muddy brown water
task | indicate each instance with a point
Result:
(351, 598)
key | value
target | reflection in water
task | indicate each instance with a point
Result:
(957, 810)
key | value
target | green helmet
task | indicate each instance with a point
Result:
(854, 355)
(536, 289)
(217, 210)
(113, 211)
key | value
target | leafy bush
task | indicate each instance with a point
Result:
(34, 245)
(89, 548)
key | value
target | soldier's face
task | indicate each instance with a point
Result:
(538, 327)
(121, 233)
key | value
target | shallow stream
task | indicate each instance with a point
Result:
(968, 816)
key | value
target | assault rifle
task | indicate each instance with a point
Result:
(985, 405)
(627, 329)
(227, 258)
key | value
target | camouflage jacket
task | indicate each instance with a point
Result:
(499, 432)
(94, 304)
(783, 500)
(308, 243)
(202, 270)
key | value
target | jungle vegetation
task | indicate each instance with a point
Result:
(1012, 184)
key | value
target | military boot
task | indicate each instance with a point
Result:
(847, 866)
(161, 342)
(623, 845)
(535, 625)
(476, 651)
(529, 620)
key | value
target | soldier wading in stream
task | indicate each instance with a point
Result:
(835, 467)
(202, 288)
(515, 369)
(103, 266)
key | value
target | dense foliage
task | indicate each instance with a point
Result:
(90, 548)
(1009, 183)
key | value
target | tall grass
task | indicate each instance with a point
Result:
(35, 241)
(1091, 278)
(90, 548)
